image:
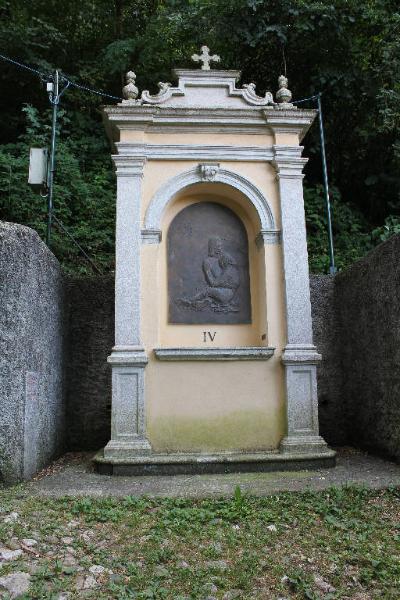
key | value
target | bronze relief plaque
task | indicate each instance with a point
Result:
(208, 266)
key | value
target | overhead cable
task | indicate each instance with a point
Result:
(47, 76)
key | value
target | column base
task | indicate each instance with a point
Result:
(302, 402)
(305, 444)
(126, 449)
(128, 420)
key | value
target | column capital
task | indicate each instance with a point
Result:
(290, 120)
(128, 166)
(305, 354)
(128, 355)
(288, 161)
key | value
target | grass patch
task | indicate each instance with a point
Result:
(339, 543)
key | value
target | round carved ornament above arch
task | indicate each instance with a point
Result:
(205, 173)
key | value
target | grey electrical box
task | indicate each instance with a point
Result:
(37, 167)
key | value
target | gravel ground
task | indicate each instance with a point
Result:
(341, 543)
(72, 475)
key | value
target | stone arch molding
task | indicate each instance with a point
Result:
(151, 233)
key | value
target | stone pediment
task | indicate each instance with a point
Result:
(206, 100)
(207, 89)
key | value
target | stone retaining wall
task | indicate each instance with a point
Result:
(91, 311)
(32, 407)
(327, 335)
(91, 337)
(368, 308)
(356, 319)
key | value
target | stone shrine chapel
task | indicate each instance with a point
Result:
(213, 366)
(210, 318)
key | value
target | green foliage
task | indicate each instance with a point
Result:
(389, 228)
(180, 548)
(108, 510)
(84, 191)
(352, 238)
(347, 49)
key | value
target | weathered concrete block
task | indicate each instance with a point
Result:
(32, 337)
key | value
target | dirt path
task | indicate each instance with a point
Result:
(73, 476)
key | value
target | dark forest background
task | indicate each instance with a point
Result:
(347, 49)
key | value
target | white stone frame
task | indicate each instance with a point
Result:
(151, 233)
(128, 358)
(300, 357)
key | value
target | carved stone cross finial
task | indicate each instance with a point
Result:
(205, 58)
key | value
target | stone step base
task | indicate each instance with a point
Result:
(189, 464)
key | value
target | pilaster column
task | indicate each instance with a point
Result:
(128, 359)
(300, 357)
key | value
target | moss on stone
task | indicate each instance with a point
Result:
(249, 430)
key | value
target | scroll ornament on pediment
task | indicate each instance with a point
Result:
(249, 94)
(164, 94)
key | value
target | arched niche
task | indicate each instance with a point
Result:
(208, 266)
(251, 331)
(224, 182)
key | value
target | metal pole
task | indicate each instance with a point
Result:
(332, 268)
(54, 99)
